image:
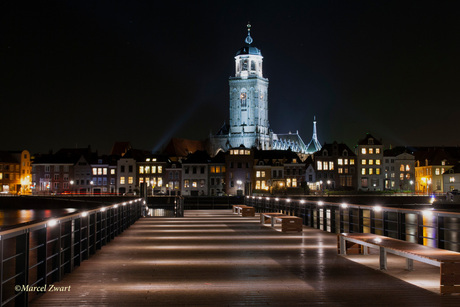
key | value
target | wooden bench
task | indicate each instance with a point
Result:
(288, 223)
(245, 211)
(267, 217)
(448, 261)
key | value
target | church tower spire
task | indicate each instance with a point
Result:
(314, 144)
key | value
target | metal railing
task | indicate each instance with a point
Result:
(35, 256)
(435, 228)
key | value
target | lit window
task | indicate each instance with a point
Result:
(371, 171)
(294, 182)
(258, 174)
(451, 179)
(340, 162)
(377, 171)
(319, 166)
(147, 169)
(352, 162)
(263, 186)
(377, 161)
(160, 169)
(154, 169)
(371, 162)
(141, 169)
(141, 180)
(241, 152)
(436, 171)
(194, 184)
(363, 171)
(122, 180)
(130, 180)
(325, 165)
(104, 171)
(94, 171)
(340, 170)
(213, 169)
(186, 183)
(371, 151)
(160, 181)
(377, 151)
(247, 152)
(407, 176)
(288, 182)
(331, 165)
(99, 171)
(401, 176)
(112, 171)
(401, 169)
(363, 151)
(363, 161)
(258, 185)
(407, 168)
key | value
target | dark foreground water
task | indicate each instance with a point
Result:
(11, 217)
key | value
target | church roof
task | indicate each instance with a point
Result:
(291, 141)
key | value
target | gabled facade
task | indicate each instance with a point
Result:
(370, 164)
(335, 167)
(195, 174)
(173, 177)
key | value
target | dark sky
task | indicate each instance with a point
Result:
(79, 73)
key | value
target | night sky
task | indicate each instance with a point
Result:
(79, 73)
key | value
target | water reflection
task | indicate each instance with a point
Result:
(14, 217)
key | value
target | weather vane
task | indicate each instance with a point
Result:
(248, 39)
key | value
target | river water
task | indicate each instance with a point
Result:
(11, 217)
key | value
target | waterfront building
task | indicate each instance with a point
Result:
(217, 172)
(370, 158)
(335, 167)
(195, 177)
(104, 175)
(278, 171)
(399, 170)
(430, 165)
(15, 172)
(173, 175)
(239, 168)
(451, 181)
(248, 125)
(126, 175)
(310, 176)
(67, 171)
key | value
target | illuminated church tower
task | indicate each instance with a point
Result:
(248, 125)
(248, 99)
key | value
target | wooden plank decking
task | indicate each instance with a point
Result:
(215, 258)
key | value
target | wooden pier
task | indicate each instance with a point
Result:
(216, 258)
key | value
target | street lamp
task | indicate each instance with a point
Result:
(71, 186)
(91, 187)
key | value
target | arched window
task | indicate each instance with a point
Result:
(245, 65)
(253, 65)
(243, 98)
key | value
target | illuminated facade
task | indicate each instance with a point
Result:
(248, 125)
(15, 172)
(430, 165)
(370, 163)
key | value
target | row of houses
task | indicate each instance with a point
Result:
(190, 170)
